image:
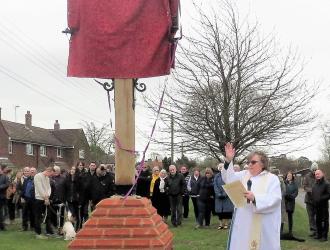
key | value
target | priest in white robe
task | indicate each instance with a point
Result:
(256, 226)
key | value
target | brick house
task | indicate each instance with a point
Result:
(25, 145)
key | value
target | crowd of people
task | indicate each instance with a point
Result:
(46, 197)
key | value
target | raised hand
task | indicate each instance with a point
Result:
(230, 152)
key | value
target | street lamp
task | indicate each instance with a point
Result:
(16, 106)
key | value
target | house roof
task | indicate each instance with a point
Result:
(36, 135)
(67, 136)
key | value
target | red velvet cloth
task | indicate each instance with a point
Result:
(120, 38)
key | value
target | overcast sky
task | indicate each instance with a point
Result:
(33, 58)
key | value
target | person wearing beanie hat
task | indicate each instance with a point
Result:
(308, 183)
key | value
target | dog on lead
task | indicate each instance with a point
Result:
(68, 230)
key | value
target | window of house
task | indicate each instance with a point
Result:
(10, 147)
(43, 151)
(59, 152)
(29, 149)
(81, 154)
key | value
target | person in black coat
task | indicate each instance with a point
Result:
(71, 194)
(85, 176)
(57, 198)
(205, 199)
(159, 197)
(83, 199)
(193, 190)
(321, 196)
(143, 183)
(291, 192)
(176, 185)
(102, 186)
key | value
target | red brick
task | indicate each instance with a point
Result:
(162, 227)
(134, 202)
(121, 211)
(100, 212)
(108, 244)
(137, 243)
(144, 232)
(125, 226)
(110, 202)
(152, 210)
(92, 222)
(140, 212)
(156, 219)
(111, 222)
(89, 233)
(82, 244)
(167, 237)
(156, 243)
(116, 232)
(133, 222)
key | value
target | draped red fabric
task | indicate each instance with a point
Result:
(121, 38)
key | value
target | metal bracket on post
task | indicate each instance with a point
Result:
(107, 86)
(141, 87)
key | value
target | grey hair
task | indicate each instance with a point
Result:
(263, 158)
(163, 171)
(57, 168)
(220, 166)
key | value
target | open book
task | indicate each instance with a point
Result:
(235, 191)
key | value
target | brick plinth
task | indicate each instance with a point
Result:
(124, 224)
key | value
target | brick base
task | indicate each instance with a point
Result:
(124, 224)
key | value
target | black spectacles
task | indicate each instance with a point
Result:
(252, 162)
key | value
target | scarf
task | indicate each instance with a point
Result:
(162, 185)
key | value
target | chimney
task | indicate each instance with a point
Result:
(56, 125)
(28, 119)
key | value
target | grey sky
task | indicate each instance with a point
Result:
(33, 54)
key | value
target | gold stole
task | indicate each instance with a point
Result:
(259, 188)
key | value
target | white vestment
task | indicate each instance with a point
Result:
(267, 204)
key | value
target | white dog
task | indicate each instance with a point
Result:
(68, 230)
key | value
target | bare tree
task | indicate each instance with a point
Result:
(99, 137)
(234, 85)
(326, 142)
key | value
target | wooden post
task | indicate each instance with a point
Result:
(124, 131)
